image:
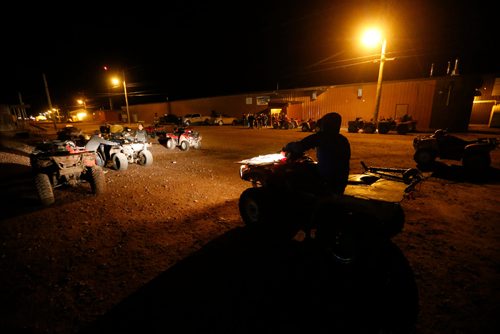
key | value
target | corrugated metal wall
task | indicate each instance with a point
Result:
(358, 100)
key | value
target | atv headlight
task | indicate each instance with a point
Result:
(243, 169)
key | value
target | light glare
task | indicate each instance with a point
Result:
(372, 37)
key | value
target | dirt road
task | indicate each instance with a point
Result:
(65, 266)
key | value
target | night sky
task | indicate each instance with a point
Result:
(190, 49)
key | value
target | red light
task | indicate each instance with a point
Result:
(105, 68)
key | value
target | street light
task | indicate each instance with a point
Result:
(83, 103)
(116, 82)
(373, 37)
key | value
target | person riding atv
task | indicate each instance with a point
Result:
(332, 150)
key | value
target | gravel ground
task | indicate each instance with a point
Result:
(165, 246)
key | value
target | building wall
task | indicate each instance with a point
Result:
(145, 112)
(414, 98)
(452, 105)
(234, 105)
(425, 100)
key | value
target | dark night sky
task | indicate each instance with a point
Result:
(188, 49)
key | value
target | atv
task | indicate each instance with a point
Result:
(73, 134)
(287, 196)
(474, 154)
(181, 137)
(57, 163)
(360, 125)
(119, 152)
(401, 125)
(309, 126)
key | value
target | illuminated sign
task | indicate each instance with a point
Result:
(262, 100)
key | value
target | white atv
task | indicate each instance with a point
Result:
(119, 153)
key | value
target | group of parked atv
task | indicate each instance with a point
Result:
(75, 158)
(402, 125)
(180, 137)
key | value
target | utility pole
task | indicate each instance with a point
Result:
(22, 109)
(379, 83)
(48, 98)
(126, 98)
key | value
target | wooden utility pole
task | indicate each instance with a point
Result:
(48, 98)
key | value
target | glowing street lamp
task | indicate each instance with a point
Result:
(116, 82)
(373, 38)
(82, 103)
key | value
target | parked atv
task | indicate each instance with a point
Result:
(181, 137)
(309, 126)
(287, 196)
(73, 134)
(57, 163)
(360, 125)
(120, 152)
(401, 125)
(474, 154)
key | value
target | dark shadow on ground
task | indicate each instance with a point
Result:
(18, 193)
(243, 283)
(458, 173)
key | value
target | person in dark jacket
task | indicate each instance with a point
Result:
(333, 152)
(141, 135)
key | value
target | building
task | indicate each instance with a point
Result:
(435, 102)
(485, 104)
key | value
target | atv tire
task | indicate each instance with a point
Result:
(352, 127)
(170, 144)
(96, 179)
(44, 189)
(254, 206)
(184, 145)
(259, 212)
(99, 160)
(369, 128)
(424, 159)
(120, 161)
(346, 237)
(383, 127)
(335, 234)
(145, 158)
(402, 129)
